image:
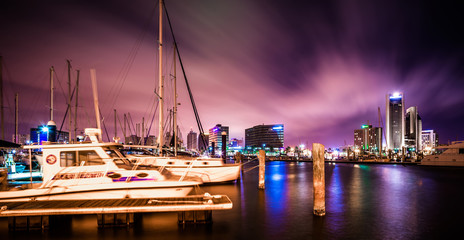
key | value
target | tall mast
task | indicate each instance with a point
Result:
(115, 126)
(160, 77)
(16, 117)
(75, 113)
(52, 70)
(93, 78)
(175, 104)
(2, 119)
(69, 99)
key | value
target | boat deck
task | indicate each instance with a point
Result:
(33, 215)
(75, 207)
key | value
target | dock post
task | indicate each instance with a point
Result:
(262, 167)
(318, 179)
(115, 220)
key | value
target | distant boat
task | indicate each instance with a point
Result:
(452, 156)
(209, 170)
(96, 171)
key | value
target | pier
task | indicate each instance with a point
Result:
(34, 215)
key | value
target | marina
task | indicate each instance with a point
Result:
(363, 201)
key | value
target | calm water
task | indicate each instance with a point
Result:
(362, 202)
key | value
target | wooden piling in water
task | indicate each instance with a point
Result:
(318, 179)
(262, 167)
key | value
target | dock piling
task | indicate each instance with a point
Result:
(318, 179)
(262, 167)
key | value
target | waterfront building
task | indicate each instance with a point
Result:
(394, 124)
(22, 139)
(368, 139)
(234, 142)
(48, 133)
(192, 140)
(429, 140)
(215, 137)
(413, 129)
(203, 141)
(265, 136)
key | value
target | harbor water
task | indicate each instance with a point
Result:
(363, 201)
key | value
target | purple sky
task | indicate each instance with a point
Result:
(322, 68)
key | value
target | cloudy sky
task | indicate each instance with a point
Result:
(322, 68)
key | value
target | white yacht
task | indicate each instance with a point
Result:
(453, 155)
(97, 171)
(209, 170)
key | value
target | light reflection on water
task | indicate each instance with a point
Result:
(363, 201)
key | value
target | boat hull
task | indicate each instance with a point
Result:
(212, 174)
(102, 191)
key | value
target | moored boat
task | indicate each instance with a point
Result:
(97, 171)
(453, 155)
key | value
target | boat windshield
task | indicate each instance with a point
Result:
(119, 158)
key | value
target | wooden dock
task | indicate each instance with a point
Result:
(29, 215)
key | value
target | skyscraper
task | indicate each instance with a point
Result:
(413, 129)
(429, 139)
(192, 140)
(394, 124)
(203, 141)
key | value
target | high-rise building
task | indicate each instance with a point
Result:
(429, 139)
(192, 140)
(203, 141)
(271, 136)
(215, 136)
(413, 129)
(368, 139)
(394, 124)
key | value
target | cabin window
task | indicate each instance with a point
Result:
(88, 157)
(461, 151)
(68, 159)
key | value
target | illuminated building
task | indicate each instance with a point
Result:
(394, 124)
(429, 139)
(48, 133)
(413, 129)
(368, 139)
(265, 136)
(203, 142)
(215, 136)
(192, 140)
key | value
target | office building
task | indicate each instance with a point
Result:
(429, 140)
(368, 139)
(192, 140)
(265, 136)
(215, 137)
(394, 124)
(413, 130)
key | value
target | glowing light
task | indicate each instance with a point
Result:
(44, 129)
(365, 126)
(396, 95)
(278, 128)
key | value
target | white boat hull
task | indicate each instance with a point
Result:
(102, 191)
(213, 174)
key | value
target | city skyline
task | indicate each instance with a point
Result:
(321, 69)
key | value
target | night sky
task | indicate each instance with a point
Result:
(322, 68)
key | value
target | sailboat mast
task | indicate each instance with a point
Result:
(16, 117)
(93, 78)
(69, 99)
(75, 113)
(1, 99)
(175, 104)
(160, 77)
(52, 70)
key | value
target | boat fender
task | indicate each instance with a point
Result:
(4, 208)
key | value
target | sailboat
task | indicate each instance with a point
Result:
(209, 170)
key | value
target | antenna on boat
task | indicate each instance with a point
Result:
(93, 77)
